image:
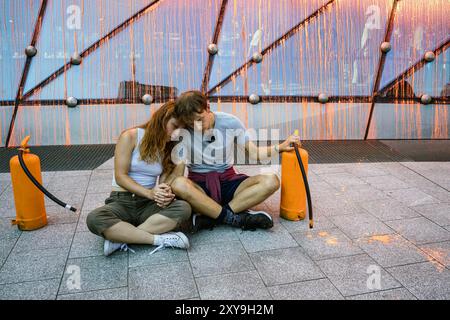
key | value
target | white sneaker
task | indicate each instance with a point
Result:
(173, 240)
(110, 247)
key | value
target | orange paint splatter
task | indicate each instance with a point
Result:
(332, 241)
(383, 239)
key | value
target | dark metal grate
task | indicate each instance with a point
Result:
(351, 151)
(64, 158)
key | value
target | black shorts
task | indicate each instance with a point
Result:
(227, 189)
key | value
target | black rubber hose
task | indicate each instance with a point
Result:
(40, 187)
(305, 181)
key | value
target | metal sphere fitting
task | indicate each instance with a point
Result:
(429, 56)
(257, 57)
(30, 51)
(385, 47)
(212, 48)
(253, 98)
(75, 59)
(71, 102)
(323, 98)
(425, 99)
(147, 99)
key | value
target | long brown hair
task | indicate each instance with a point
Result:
(154, 145)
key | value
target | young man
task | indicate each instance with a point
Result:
(214, 190)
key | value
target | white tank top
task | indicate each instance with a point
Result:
(142, 172)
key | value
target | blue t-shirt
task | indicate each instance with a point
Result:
(214, 149)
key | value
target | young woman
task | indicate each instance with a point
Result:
(141, 209)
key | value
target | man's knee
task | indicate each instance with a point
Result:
(271, 182)
(180, 186)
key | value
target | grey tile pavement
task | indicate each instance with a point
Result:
(321, 289)
(425, 280)
(167, 281)
(351, 275)
(393, 216)
(419, 230)
(283, 266)
(234, 286)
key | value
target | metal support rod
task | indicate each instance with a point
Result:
(26, 68)
(380, 68)
(217, 29)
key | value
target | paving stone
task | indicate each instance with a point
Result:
(94, 200)
(60, 215)
(412, 197)
(439, 193)
(362, 170)
(426, 280)
(74, 198)
(99, 185)
(73, 174)
(34, 265)
(394, 294)
(69, 182)
(7, 230)
(327, 168)
(4, 184)
(86, 244)
(419, 230)
(353, 275)
(108, 294)
(82, 226)
(218, 234)
(337, 206)
(321, 289)
(219, 258)
(387, 182)
(7, 207)
(321, 222)
(391, 250)
(389, 209)
(285, 266)
(274, 238)
(34, 290)
(438, 213)
(326, 244)
(361, 225)
(172, 281)
(141, 256)
(6, 246)
(235, 286)
(50, 236)
(95, 273)
(363, 193)
(342, 179)
(439, 251)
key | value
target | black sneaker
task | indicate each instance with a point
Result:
(200, 222)
(251, 220)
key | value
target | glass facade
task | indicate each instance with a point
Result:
(308, 47)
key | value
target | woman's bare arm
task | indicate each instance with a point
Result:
(122, 161)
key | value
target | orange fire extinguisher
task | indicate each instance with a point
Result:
(29, 200)
(28, 191)
(294, 191)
